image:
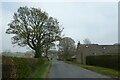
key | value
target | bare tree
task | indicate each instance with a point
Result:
(67, 47)
(86, 41)
(34, 28)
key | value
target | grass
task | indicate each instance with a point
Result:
(106, 71)
(41, 71)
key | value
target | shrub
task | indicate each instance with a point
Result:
(23, 69)
(108, 61)
(14, 67)
(8, 68)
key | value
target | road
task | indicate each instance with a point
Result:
(60, 69)
(0, 67)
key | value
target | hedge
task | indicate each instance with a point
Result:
(108, 61)
(13, 67)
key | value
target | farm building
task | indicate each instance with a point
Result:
(84, 50)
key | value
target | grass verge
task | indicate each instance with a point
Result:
(41, 71)
(106, 71)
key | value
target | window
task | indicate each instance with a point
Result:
(94, 53)
(86, 46)
(104, 47)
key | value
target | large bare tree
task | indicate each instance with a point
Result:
(67, 47)
(86, 41)
(34, 28)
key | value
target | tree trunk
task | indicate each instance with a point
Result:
(46, 52)
(47, 58)
(38, 53)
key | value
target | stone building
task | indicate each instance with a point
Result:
(84, 50)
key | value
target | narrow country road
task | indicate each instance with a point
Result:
(59, 69)
(0, 66)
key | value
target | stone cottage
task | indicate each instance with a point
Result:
(84, 50)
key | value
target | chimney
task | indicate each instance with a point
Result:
(78, 45)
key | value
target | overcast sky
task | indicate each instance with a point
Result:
(97, 21)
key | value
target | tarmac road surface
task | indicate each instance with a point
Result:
(60, 69)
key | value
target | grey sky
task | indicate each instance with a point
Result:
(96, 21)
(0, 27)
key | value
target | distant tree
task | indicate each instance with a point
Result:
(34, 28)
(47, 47)
(86, 41)
(67, 47)
(116, 44)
